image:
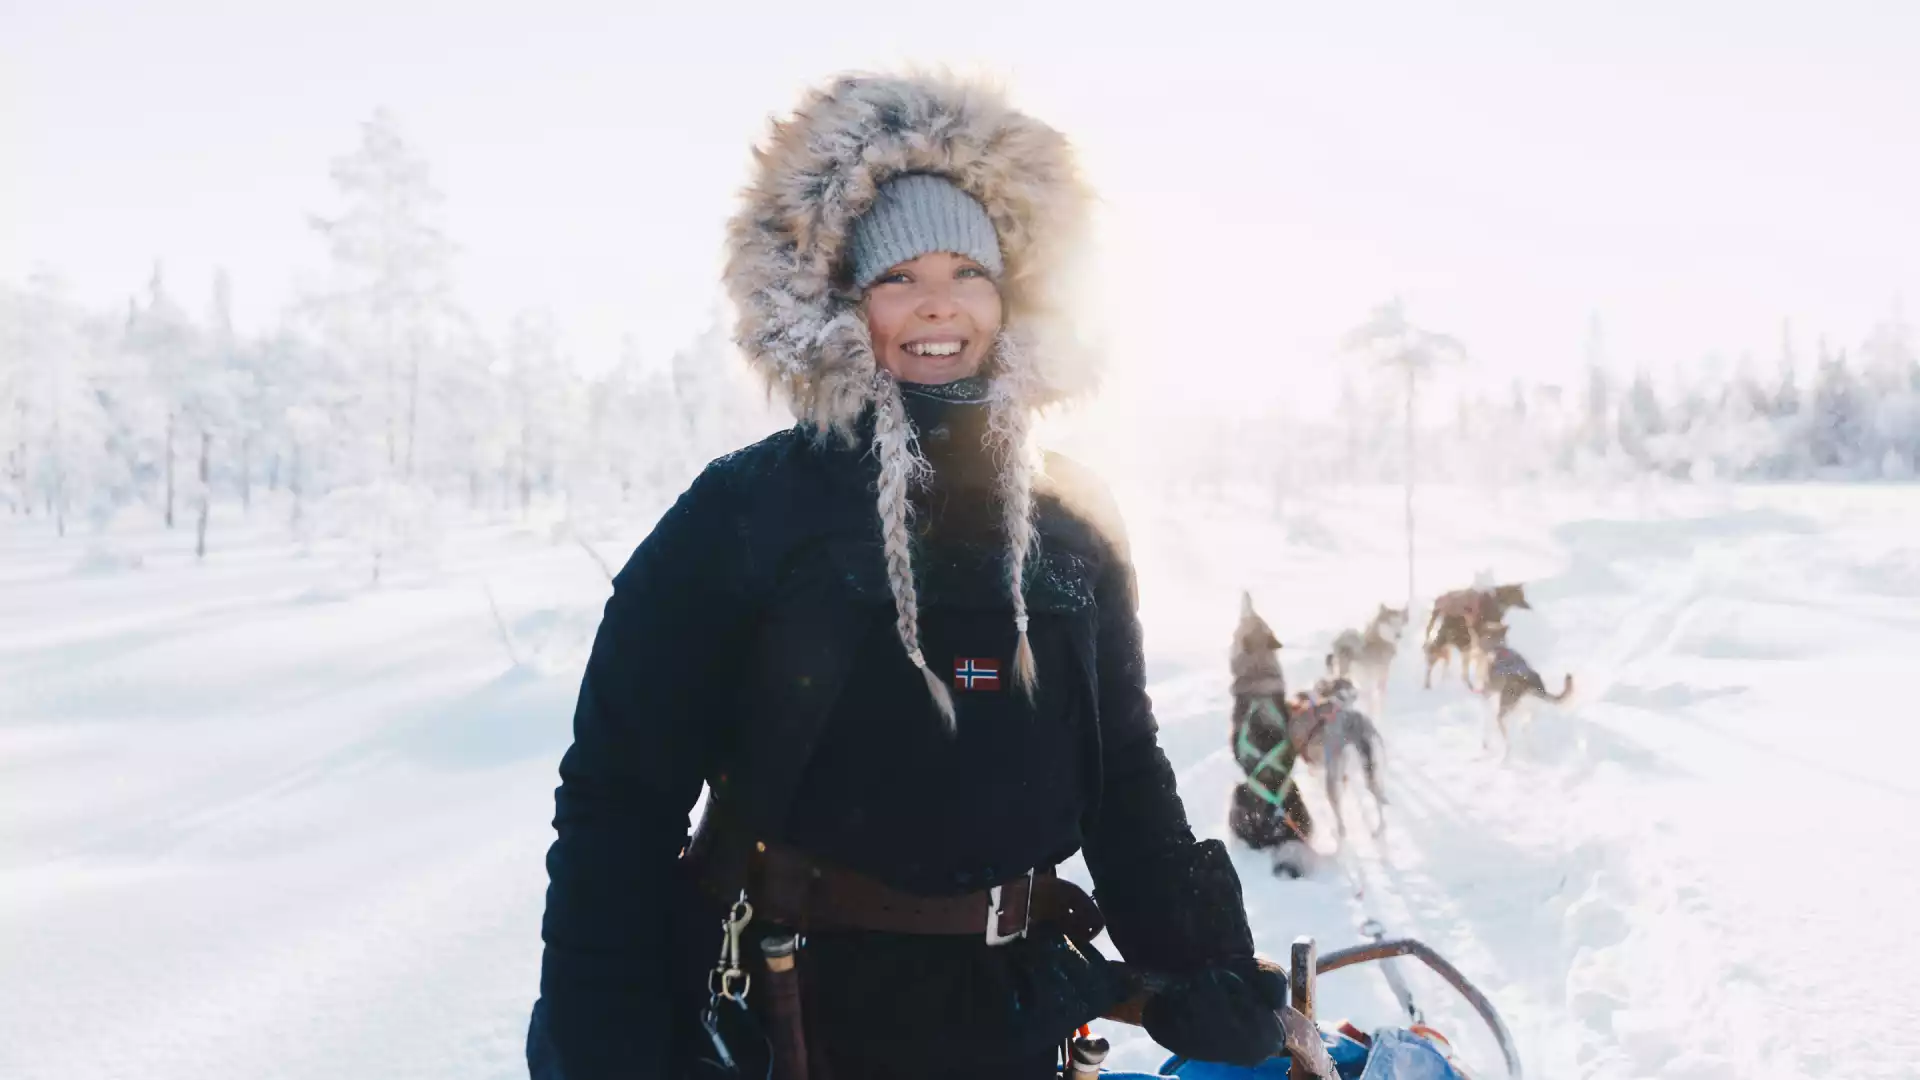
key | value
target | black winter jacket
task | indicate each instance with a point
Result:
(735, 639)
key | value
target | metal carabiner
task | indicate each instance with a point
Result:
(727, 971)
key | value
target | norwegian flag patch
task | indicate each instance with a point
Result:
(972, 673)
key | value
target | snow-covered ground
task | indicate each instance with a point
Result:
(259, 819)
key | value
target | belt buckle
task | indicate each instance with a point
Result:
(994, 911)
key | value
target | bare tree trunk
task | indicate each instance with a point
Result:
(246, 472)
(413, 401)
(393, 456)
(18, 467)
(295, 486)
(20, 461)
(206, 495)
(57, 494)
(1410, 460)
(526, 471)
(169, 470)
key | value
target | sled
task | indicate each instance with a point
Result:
(1315, 1051)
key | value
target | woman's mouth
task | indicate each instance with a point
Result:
(935, 348)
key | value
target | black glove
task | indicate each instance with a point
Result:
(1181, 914)
(1224, 1014)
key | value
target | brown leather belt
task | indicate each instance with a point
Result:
(791, 889)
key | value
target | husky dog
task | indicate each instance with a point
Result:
(1459, 618)
(1512, 680)
(1366, 656)
(1254, 659)
(1336, 725)
(1265, 736)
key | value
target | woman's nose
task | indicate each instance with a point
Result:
(936, 303)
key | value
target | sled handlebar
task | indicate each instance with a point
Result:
(1141, 985)
(1384, 950)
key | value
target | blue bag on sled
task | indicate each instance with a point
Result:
(1395, 1055)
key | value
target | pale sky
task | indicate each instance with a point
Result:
(1695, 172)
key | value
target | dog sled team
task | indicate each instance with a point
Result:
(1274, 734)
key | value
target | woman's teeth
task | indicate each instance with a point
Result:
(934, 348)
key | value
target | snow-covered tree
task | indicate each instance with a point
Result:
(1890, 370)
(169, 347)
(206, 393)
(61, 428)
(1394, 343)
(1786, 395)
(465, 435)
(392, 291)
(538, 388)
(1641, 420)
(1838, 428)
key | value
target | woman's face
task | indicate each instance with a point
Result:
(933, 319)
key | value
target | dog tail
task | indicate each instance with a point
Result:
(1566, 691)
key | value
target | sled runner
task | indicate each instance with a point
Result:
(1317, 1051)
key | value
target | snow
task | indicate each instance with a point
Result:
(260, 817)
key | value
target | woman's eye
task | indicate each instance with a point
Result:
(898, 277)
(972, 271)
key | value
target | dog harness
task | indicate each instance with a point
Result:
(1253, 761)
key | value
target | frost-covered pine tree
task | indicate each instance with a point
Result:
(14, 404)
(167, 344)
(249, 376)
(631, 426)
(204, 393)
(1596, 403)
(391, 288)
(61, 422)
(1838, 429)
(465, 437)
(537, 379)
(1786, 395)
(1641, 421)
(1890, 363)
(717, 404)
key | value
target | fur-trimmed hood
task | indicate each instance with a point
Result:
(799, 322)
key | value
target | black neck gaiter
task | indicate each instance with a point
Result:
(958, 504)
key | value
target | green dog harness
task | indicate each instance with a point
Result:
(1254, 762)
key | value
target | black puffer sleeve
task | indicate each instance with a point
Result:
(1170, 902)
(643, 738)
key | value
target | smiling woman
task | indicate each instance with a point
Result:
(901, 647)
(934, 318)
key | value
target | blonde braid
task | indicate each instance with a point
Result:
(1010, 425)
(900, 465)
